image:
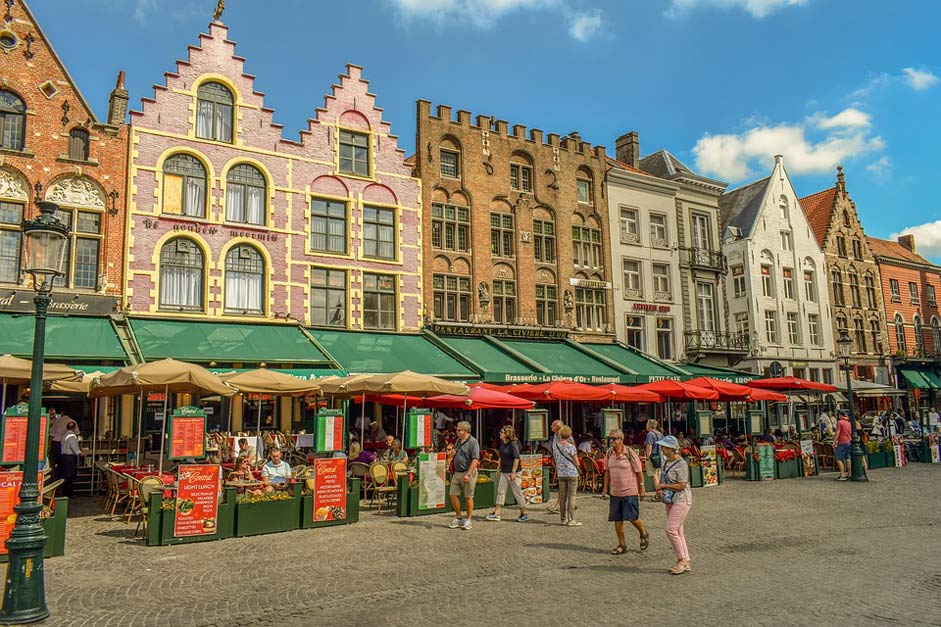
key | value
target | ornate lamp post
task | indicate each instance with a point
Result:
(857, 471)
(24, 595)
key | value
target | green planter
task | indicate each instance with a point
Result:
(695, 477)
(787, 470)
(485, 492)
(752, 470)
(352, 508)
(253, 519)
(160, 522)
(408, 503)
(878, 460)
(54, 528)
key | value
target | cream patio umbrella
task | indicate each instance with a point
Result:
(81, 386)
(166, 375)
(336, 386)
(264, 381)
(16, 371)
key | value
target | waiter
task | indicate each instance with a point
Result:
(57, 429)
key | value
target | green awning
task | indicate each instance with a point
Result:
(931, 377)
(566, 359)
(495, 365)
(300, 373)
(102, 369)
(722, 374)
(643, 368)
(379, 353)
(914, 378)
(201, 342)
(68, 338)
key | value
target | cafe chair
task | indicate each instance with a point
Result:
(298, 471)
(380, 485)
(49, 492)
(399, 469)
(736, 462)
(147, 487)
(361, 472)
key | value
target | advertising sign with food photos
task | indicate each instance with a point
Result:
(14, 426)
(531, 474)
(611, 420)
(197, 500)
(187, 433)
(10, 483)
(330, 489)
(710, 471)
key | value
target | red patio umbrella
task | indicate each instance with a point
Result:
(791, 383)
(728, 392)
(479, 398)
(758, 394)
(678, 390)
(562, 391)
(627, 394)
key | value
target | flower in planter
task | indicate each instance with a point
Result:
(785, 455)
(756, 457)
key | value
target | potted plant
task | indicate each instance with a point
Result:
(889, 451)
(875, 456)
(786, 464)
(268, 513)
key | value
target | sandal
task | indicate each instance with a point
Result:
(618, 550)
(645, 541)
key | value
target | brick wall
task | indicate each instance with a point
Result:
(921, 276)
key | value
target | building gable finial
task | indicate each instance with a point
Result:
(220, 7)
(840, 180)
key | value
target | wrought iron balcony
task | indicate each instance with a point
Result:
(699, 342)
(706, 259)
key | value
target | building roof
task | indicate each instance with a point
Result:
(741, 207)
(665, 165)
(819, 209)
(614, 163)
(894, 250)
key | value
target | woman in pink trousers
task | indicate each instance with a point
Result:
(673, 489)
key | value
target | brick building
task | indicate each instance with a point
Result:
(516, 226)
(853, 276)
(230, 221)
(55, 148)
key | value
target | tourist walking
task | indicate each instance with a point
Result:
(844, 435)
(651, 448)
(464, 477)
(673, 490)
(509, 474)
(566, 471)
(553, 508)
(624, 481)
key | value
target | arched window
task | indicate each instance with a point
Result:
(245, 195)
(919, 336)
(78, 144)
(214, 112)
(839, 298)
(900, 332)
(855, 296)
(12, 121)
(782, 205)
(846, 217)
(870, 291)
(244, 280)
(935, 335)
(182, 268)
(184, 186)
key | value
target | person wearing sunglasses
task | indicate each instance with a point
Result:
(624, 481)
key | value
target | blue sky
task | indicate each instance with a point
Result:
(723, 84)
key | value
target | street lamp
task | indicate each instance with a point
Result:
(857, 471)
(24, 594)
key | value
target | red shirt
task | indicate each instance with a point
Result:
(622, 473)
(844, 432)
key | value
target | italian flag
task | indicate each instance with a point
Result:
(420, 430)
(329, 433)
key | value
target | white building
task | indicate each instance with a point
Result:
(776, 283)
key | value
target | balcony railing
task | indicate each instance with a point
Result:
(706, 259)
(716, 342)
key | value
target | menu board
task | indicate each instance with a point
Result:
(899, 450)
(14, 427)
(329, 429)
(10, 483)
(197, 500)
(419, 428)
(537, 425)
(187, 433)
(531, 474)
(704, 421)
(330, 489)
(431, 480)
(809, 457)
(710, 470)
(766, 460)
(755, 417)
(611, 420)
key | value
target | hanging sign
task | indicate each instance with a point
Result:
(611, 420)
(14, 426)
(10, 483)
(197, 501)
(431, 480)
(187, 433)
(537, 425)
(419, 428)
(710, 470)
(329, 429)
(704, 421)
(531, 474)
(330, 489)
(755, 417)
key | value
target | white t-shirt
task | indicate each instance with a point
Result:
(282, 471)
(441, 420)
(933, 418)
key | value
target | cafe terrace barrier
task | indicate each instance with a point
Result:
(54, 527)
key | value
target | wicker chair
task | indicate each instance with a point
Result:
(591, 477)
(381, 485)
(147, 487)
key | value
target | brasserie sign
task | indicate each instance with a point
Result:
(21, 301)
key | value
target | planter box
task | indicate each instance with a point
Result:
(878, 460)
(408, 503)
(787, 470)
(160, 522)
(352, 508)
(485, 493)
(752, 470)
(269, 516)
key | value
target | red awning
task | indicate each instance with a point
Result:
(479, 398)
(727, 391)
(628, 394)
(680, 391)
(791, 383)
(562, 391)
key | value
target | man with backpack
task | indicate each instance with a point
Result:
(651, 448)
(624, 479)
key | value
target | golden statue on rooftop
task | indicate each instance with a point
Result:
(220, 7)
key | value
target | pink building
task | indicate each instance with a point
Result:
(229, 221)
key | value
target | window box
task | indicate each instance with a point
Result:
(352, 508)
(269, 516)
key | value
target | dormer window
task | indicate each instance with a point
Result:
(354, 153)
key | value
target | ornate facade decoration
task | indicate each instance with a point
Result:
(13, 186)
(76, 191)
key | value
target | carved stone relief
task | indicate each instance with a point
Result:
(76, 191)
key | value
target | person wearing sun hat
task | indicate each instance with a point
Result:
(672, 486)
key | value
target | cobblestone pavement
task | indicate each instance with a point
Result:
(794, 552)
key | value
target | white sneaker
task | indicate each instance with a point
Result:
(573, 523)
(457, 522)
(466, 525)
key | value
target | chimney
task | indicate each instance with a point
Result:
(627, 149)
(117, 103)
(908, 241)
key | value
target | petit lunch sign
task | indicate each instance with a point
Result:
(419, 428)
(187, 433)
(329, 430)
(13, 434)
(537, 425)
(611, 420)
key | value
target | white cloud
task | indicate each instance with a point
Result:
(482, 13)
(881, 169)
(920, 80)
(584, 26)
(735, 157)
(927, 238)
(756, 8)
